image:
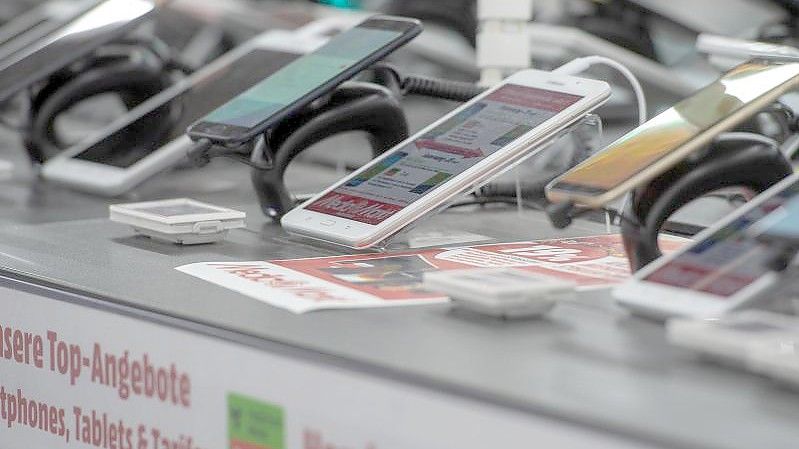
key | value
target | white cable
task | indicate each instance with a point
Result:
(752, 137)
(580, 65)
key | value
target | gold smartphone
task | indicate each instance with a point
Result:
(665, 140)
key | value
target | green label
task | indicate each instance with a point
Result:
(253, 424)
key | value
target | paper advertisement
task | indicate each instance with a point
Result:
(379, 280)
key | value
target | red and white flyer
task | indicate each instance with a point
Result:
(379, 280)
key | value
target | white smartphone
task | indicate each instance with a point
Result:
(457, 153)
(724, 269)
(113, 162)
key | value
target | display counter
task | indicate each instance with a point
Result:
(226, 370)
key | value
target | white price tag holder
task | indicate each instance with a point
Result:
(735, 338)
(183, 221)
(500, 292)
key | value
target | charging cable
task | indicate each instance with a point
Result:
(562, 214)
(580, 65)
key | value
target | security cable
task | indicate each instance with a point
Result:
(426, 85)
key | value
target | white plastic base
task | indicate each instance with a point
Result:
(182, 239)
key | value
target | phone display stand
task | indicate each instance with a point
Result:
(437, 230)
(724, 164)
(354, 106)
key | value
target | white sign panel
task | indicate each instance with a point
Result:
(76, 377)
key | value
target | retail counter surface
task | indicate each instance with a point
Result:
(588, 363)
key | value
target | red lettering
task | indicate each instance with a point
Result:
(21, 346)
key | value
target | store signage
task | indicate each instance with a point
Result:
(73, 376)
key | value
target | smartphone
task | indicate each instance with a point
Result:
(305, 80)
(723, 269)
(97, 26)
(120, 158)
(665, 140)
(457, 153)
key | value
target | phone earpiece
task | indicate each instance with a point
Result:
(134, 74)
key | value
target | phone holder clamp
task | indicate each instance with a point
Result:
(726, 163)
(354, 106)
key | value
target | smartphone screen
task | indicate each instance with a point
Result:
(727, 261)
(97, 26)
(305, 79)
(668, 131)
(121, 147)
(381, 189)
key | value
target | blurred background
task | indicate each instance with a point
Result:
(655, 39)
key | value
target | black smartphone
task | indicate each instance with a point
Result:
(98, 26)
(305, 80)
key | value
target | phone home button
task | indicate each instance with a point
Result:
(327, 222)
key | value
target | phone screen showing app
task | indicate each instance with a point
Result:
(412, 171)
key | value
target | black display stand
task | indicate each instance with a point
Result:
(725, 164)
(354, 106)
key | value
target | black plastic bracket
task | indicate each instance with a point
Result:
(135, 69)
(725, 164)
(354, 106)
